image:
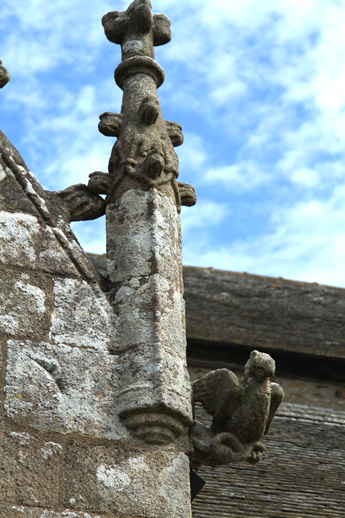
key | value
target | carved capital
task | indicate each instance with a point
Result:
(100, 183)
(143, 156)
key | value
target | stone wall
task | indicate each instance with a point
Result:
(63, 450)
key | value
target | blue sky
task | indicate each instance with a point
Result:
(259, 89)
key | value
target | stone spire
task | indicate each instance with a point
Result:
(144, 260)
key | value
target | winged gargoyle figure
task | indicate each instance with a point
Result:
(242, 414)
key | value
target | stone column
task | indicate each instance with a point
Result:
(144, 238)
(144, 258)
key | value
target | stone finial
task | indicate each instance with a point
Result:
(143, 156)
(137, 30)
(144, 259)
(4, 75)
(242, 415)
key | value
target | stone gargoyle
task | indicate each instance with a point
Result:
(242, 414)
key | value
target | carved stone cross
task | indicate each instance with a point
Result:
(137, 30)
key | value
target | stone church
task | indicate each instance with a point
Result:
(133, 387)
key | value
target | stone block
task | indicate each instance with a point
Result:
(29, 470)
(57, 388)
(26, 241)
(12, 196)
(143, 237)
(82, 315)
(15, 511)
(150, 310)
(68, 241)
(154, 378)
(2, 375)
(140, 484)
(24, 304)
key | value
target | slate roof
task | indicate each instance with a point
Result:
(302, 326)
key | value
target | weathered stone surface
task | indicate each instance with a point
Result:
(12, 197)
(81, 203)
(4, 75)
(100, 263)
(25, 241)
(29, 469)
(140, 484)
(150, 310)
(2, 375)
(62, 389)
(144, 260)
(111, 123)
(150, 339)
(82, 315)
(6, 147)
(152, 379)
(15, 511)
(13, 165)
(77, 256)
(129, 27)
(24, 304)
(51, 214)
(187, 194)
(143, 237)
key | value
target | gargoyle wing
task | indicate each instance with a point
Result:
(218, 392)
(277, 396)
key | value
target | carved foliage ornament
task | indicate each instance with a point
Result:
(143, 155)
(242, 414)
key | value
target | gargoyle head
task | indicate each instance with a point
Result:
(260, 366)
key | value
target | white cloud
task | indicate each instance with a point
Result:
(240, 176)
(91, 235)
(305, 177)
(304, 242)
(76, 165)
(205, 214)
(193, 154)
(259, 87)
